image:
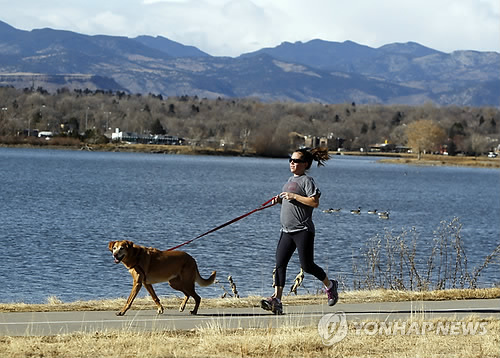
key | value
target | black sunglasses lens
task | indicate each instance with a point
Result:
(296, 161)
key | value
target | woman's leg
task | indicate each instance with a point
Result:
(305, 247)
(304, 240)
(284, 251)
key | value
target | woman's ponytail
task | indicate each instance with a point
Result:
(319, 154)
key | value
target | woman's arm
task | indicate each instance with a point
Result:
(309, 201)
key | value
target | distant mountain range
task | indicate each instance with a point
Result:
(315, 71)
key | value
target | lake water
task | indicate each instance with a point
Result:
(59, 209)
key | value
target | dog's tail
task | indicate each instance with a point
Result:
(205, 282)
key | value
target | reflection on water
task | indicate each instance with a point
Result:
(59, 209)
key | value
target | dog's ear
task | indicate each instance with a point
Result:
(128, 244)
(110, 245)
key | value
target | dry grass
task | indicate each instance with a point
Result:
(288, 341)
(165, 149)
(362, 296)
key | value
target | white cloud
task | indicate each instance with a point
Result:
(105, 22)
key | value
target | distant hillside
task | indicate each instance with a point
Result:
(461, 78)
(321, 54)
(315, 71)
(52, 83)
(170, 47)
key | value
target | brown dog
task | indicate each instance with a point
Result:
(149, 266)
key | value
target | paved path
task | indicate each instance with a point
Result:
(53, 323)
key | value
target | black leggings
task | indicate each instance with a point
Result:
(303, 241)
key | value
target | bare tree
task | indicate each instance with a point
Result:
(424, 135)
(477, 144)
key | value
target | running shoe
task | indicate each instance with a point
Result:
(332, 293)
(272, 304)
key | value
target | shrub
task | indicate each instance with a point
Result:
(391, 262)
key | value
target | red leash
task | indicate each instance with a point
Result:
(261, 207)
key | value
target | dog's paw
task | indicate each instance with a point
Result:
(120, 313)
(193, 312)
(160, 310)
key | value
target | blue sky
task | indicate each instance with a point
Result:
(230, 28)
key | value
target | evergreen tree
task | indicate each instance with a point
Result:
(157, 128)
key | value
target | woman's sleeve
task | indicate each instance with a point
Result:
(311, 189)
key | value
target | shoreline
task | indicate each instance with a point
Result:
(137, 148)
(385, 158)
(442, 160)
(172, 302)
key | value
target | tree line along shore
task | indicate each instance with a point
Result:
(243, 125)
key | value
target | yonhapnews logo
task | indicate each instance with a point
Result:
(333, 328)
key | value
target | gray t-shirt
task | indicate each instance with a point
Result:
(294, 215)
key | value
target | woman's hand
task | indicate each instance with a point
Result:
(288, 196)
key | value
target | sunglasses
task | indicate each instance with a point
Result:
(296, 160)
